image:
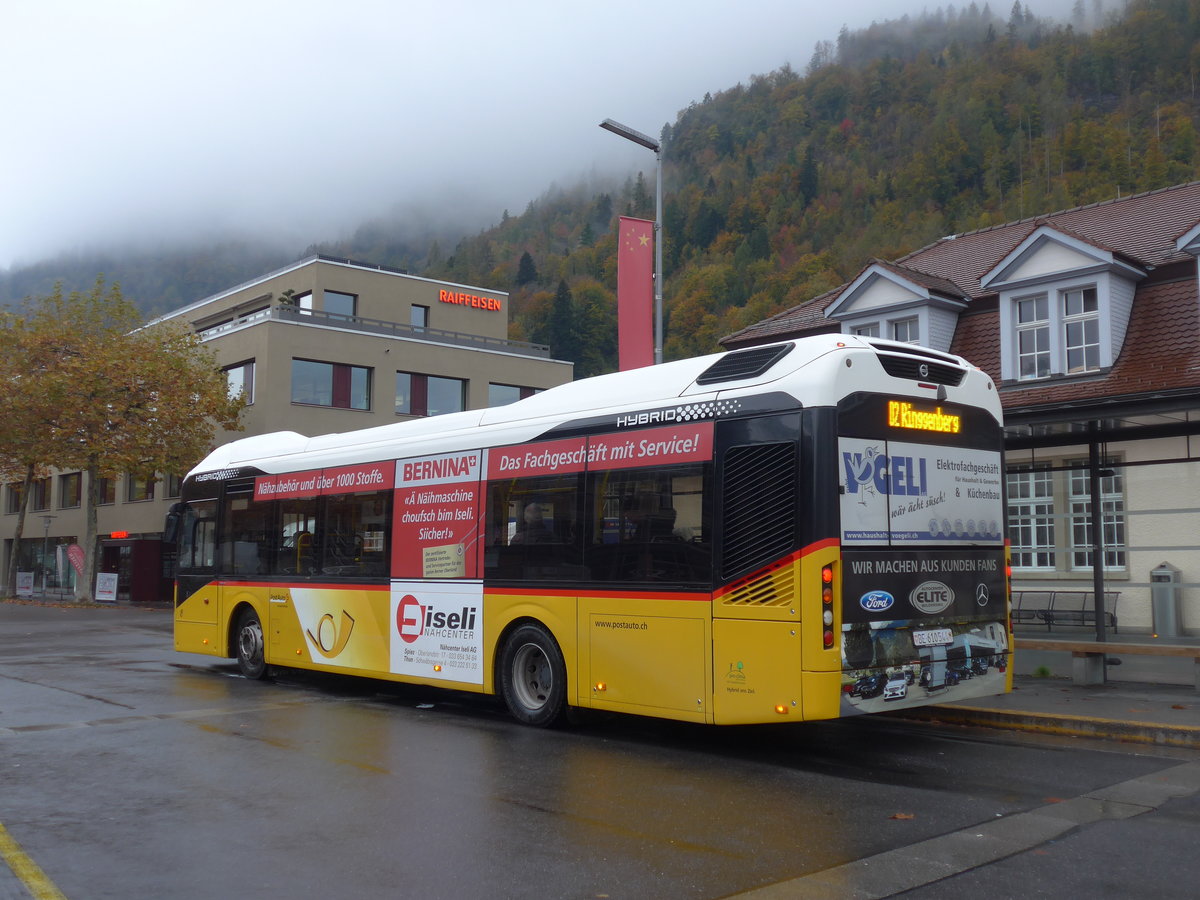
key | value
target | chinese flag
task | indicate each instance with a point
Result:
(635, 293)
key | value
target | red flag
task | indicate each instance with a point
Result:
(635, 293)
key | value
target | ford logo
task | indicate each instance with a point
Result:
(876, 601)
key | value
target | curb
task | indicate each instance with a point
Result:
(1073, 726)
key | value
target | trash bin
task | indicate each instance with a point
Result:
(1164, 600)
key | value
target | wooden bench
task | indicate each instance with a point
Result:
(1075, 608)
(1089, 657)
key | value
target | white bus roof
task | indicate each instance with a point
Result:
(826, 378)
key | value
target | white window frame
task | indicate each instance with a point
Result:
(1031, 517)
(911, 324)
(1112, 517)
(1082, 320)
(1037, 329)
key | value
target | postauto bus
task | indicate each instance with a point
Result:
(770, 534)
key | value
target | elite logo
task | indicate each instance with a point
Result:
(931, 597)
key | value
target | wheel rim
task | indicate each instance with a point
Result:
(533, 678)
(250, 642)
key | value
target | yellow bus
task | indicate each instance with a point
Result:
(797, 531)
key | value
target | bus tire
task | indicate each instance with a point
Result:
(533, 676)
(250, 645)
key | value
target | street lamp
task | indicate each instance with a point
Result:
(650, 144)
(46, 520)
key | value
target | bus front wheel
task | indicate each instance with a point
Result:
(251, 655)
(533, 676)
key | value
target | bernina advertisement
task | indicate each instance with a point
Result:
(900, 493)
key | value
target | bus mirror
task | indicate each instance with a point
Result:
(171, 526)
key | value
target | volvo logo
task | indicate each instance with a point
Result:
(923, 369)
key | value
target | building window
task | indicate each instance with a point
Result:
(331, 384)
(871, 330)
(1031, 517)
(70, 490)
(1112, 516)
(1033, 338)
(240, 379)
(339, 304)
(1081, 330)
(172, 486)
(1043, 496)
(139, 487)
(907, 331)
(429, 395)
(504, 394)
(39, 494)
(107, 492)
(418, 316)
(12, 498)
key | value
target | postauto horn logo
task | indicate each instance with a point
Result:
(876, 601)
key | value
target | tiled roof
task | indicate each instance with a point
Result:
(1161, 351)
(1142, 228)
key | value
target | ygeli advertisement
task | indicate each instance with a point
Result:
(437, 630)
(895, 492)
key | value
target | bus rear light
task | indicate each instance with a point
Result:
(827, 617)
(828, 639)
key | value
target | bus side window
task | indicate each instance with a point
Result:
(533, 529)
(198, 535)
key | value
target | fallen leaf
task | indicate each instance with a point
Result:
(901, 816)
(1180, 706)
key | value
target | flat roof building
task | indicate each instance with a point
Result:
(323, 345)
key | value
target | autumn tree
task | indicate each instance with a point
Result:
(26, 410)
(128, 398)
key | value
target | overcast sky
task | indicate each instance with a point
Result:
(152, 118)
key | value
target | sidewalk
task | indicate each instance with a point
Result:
(1147, 699)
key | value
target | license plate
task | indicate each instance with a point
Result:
(933, 637)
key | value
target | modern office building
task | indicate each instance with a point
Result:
(1088, 321)
(324, 345)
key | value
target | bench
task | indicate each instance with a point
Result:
(1052, 608)
(1090, 657)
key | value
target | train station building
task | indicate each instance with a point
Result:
(1088, 321)
(320, 346)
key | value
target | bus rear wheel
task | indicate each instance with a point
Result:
(533, 676)
(251, 649)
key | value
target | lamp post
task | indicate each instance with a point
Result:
(46, 520)
(650, 144)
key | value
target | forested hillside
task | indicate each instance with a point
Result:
(895, 136)
(776, 190)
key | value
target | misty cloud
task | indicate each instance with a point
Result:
(137, 119)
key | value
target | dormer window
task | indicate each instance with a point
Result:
(907, 331)
(1033, 337)
(1065, 304)
(871, 330)
(1081, 324)
(1075, 323)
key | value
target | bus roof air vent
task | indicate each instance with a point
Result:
(934, 370)
(742, 364)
